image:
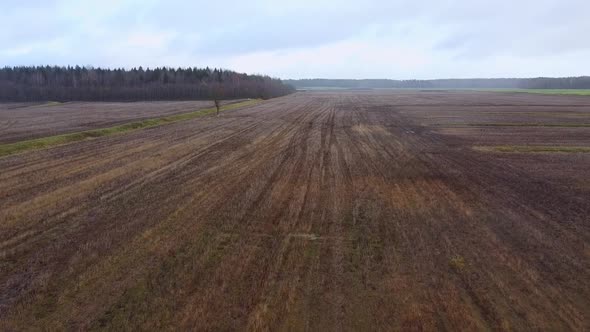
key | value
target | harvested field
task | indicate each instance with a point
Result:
(32, 120)
(315, 211)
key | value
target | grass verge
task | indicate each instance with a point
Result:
(576, 92)
(534, 149)
(557, 125)
(50, 141)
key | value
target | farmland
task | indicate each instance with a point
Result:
(20, 121)
(339, 210)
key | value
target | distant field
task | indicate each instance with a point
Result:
(319, 211)
(577, 92)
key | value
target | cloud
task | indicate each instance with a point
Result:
(372, 38)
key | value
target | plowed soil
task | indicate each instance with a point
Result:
(316, 211)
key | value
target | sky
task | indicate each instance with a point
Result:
(395, 39)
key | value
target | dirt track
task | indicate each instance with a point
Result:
(319, 211)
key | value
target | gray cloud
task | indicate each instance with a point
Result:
(373, 38)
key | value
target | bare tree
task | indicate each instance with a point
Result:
(217, 104)
(218, 94)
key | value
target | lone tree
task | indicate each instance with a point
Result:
(217, 104)
(217, 95)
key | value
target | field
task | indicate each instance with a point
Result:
(334, 210)
(20, 121)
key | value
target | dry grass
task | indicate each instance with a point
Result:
(457, 263)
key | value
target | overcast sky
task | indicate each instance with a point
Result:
(395, 39)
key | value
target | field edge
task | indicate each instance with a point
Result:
(51, 141)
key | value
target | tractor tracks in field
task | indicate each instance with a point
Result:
(320, 211)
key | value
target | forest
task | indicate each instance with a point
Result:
(54, 83)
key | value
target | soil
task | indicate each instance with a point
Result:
(316, 211)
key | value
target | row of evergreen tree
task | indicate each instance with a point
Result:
(44, 83)
(582, 82)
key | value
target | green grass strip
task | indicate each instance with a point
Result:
(534, 149)
(576, 92)
(50, 141)
(568, 125)
(47, 104)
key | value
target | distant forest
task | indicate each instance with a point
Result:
(52, 83)
(582, 82)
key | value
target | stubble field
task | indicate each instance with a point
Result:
(371, 210)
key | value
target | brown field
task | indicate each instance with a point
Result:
(33, 120)
(316, 211)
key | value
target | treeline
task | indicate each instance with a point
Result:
(582, 82)
(53, 83)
